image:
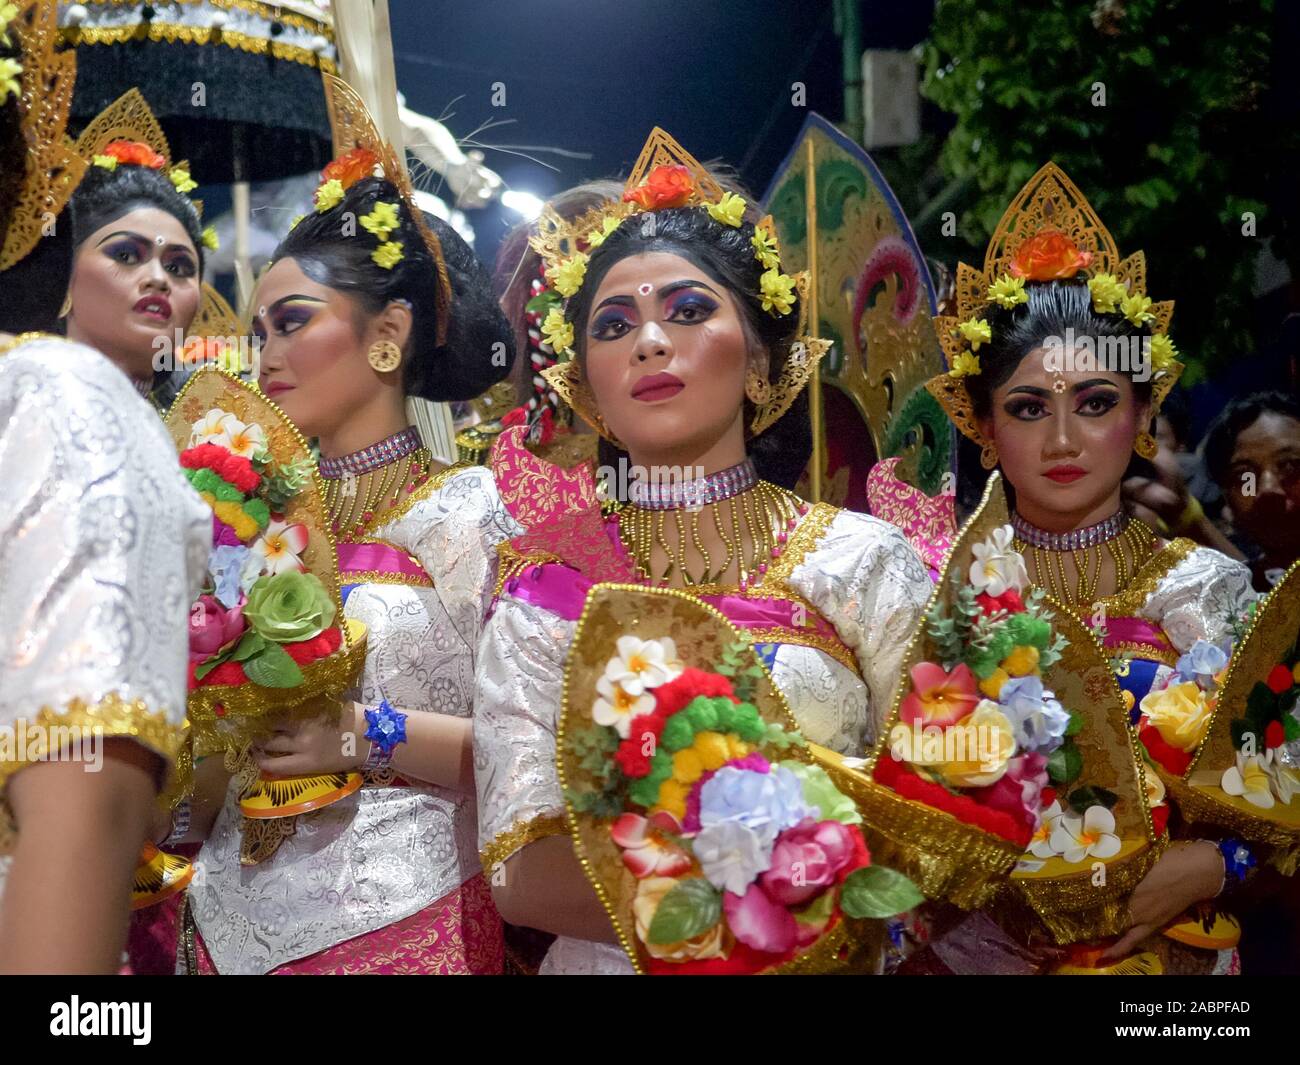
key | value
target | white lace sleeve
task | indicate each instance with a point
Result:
(518, 683)
(866, 580)
(102, 546)
(1199, 597)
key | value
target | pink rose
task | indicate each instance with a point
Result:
(212, 626)
(758, 922)
(806, 860)
(1019, 791)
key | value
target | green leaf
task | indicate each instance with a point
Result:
(207, 666)
(688, 910)
(1093, 795)
(250, 645)
(1290, 729)
(1075, 725)
(1064, 764)
(878, 892)
(543, 302)
(818, 911)
(273, 668)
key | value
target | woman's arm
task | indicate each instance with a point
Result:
(68, 895)
(542, 886)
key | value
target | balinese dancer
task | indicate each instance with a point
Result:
(684, 351)
(1058, 363)
(351, 321)
(101, 549)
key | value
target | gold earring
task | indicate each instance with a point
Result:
(1146, 445)
(384, 356)
(989, 455)
(757, 387)
(66, 309)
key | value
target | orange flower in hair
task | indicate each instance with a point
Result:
(134, 153)
(665, 186)
(350, 167)
(1049, 256)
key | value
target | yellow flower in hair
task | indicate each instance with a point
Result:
(765, 252)
(777, 290)
(566, 278)
(1163, 353)
(558, 332)
(964, 365)
(597, 237)
(381, 221)
(1137, 309)
(9, 71)
(388, 255)
(976, 331)
(330, 194)
(1107, 291)
(107, 162)
(182, 180)
(730, 210)
(1008, 291)
(209, 238)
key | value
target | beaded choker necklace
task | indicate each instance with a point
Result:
(390, 449)
(1070, 541)
(712, 488)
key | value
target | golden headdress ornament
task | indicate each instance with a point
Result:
(360, 151)
(44, 81)
(1049, 232)
(667, 176)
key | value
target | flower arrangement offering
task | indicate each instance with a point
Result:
(716, 841)
(1007, 752)
(1243, 769)
(267, 634)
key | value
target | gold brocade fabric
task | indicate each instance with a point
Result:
(519, 836)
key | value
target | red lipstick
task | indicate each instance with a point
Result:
(275, 388)
(1065, 474)
(656, 387)
(157, 307)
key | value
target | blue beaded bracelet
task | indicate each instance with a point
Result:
(1237, 859)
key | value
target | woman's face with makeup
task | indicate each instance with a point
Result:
(134, 280)
(313, 361)
(1064, 450)
(666, 355)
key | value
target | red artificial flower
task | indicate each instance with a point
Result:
(227, 673)
(1171, 759)
(671, 697)
(518, 416)
(235, 470)
(632, 759)
(665, 186)
(1274, 735)
(333, 638)
(134, 153)
(1279, 679)
(900, 779)
(1047, 796)
(1009, 601)
(350, 167)
(1160, 819)
(1048, 256)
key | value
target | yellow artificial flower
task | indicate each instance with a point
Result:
(687, 765)
(964, 364)
(1180, 713)
(8, 12)
(597, 237)
(388, 255)
(9, 71)
(296, 219)
(1022, 661)
(566, 278)
(977, 331)
(1163, 353)
(730, 210)
(106, 162)
(233, 515)
(330, 194)
(558, 332)
(1137, 309)
(764, 245)
(1107, 291)
(210, 239)
(777, 290)
(381, 221)
(672, 797)
(1008, 291)
(182, 180)
(992, 684)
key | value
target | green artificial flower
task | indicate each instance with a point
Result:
(289, 607)
(820, 791)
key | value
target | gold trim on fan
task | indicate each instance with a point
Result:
(296, 795)
(158, 876)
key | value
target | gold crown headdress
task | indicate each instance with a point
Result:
(666, 176)
(53, 169)
(360, 151)
(1049, 232)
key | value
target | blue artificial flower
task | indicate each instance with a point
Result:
(1201, 662)
(768, 802)
(1038, 719)
(385, 727)
(226, 564)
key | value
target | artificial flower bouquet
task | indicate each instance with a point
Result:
(267, 634)
(712, 836)
(1240, 767)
